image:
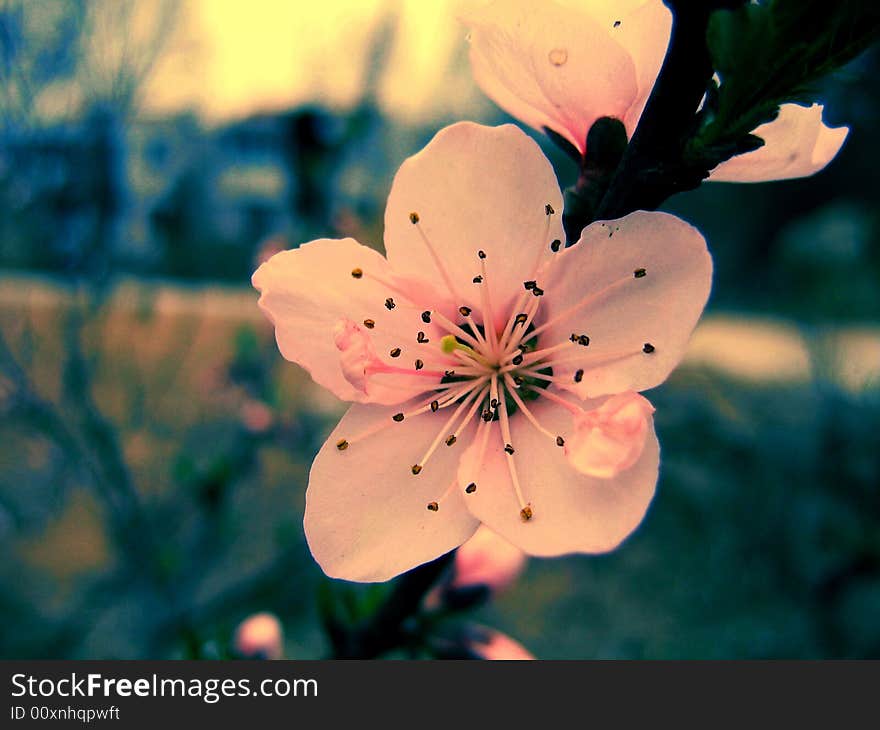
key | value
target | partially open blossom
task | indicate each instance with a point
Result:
(563, 64)
(259, 636)
(487, 560)
(495, 646)
(493, 371)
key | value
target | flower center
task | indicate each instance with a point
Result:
(474, 370)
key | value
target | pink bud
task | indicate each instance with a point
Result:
(259, 636)
(487, 559)
(495, 646)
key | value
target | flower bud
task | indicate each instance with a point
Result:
(259, 636)
(495, 646)
(487, 559)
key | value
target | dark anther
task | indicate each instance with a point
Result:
(413, 218)
(526, 513)
(555, 245)
(481, 253)
(426, 317)
(464, 311)
(517, 360)
(583, 340)
(395, 352)
(342, 444)
(433, 506)
(478, 280)
(648, 348)
(449, 373)
(548, 209)
(451, 439)
(529, 285)
(520, 319)
(369, 324)
(471, 488)
(487, 415)
(435, 404)
(518, 380)
(389, 304)
(419, 364)
(508, 448)
(639, 273)
(616, 23)
(357, 273)
(398, 417)
(578, 376)
(560, 441)
(420, 337)
(493, 403)
(537, 291)
(416, 468)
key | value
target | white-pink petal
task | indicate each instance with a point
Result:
(796, 144)
(473, 188)
(367, 516)
(571, 512)
(636, 287)
(307, 293)
(564, 64)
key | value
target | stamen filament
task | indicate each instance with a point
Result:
(382, 368)
(435, 505)
(444, 431)
(472, 357)
(470, 413)
(454, 391)
(570, 407)
(454, 329)
(491, 335)
(506, 440)
(437, 262)
(530, 313)
(511, 390)
(533, 358)
(596, 360)
(591, 298)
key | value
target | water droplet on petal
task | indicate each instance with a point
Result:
(558, 56)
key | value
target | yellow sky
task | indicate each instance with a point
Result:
(228, 58)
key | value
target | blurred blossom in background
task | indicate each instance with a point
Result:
(259, 636)
(154, 447)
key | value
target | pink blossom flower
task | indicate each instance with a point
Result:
(495, 646)
(259, 636)
(563, 64)
(487, 559)
(493, 371)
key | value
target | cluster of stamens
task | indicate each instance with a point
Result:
(483, 375)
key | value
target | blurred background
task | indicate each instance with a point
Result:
(154, 446)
